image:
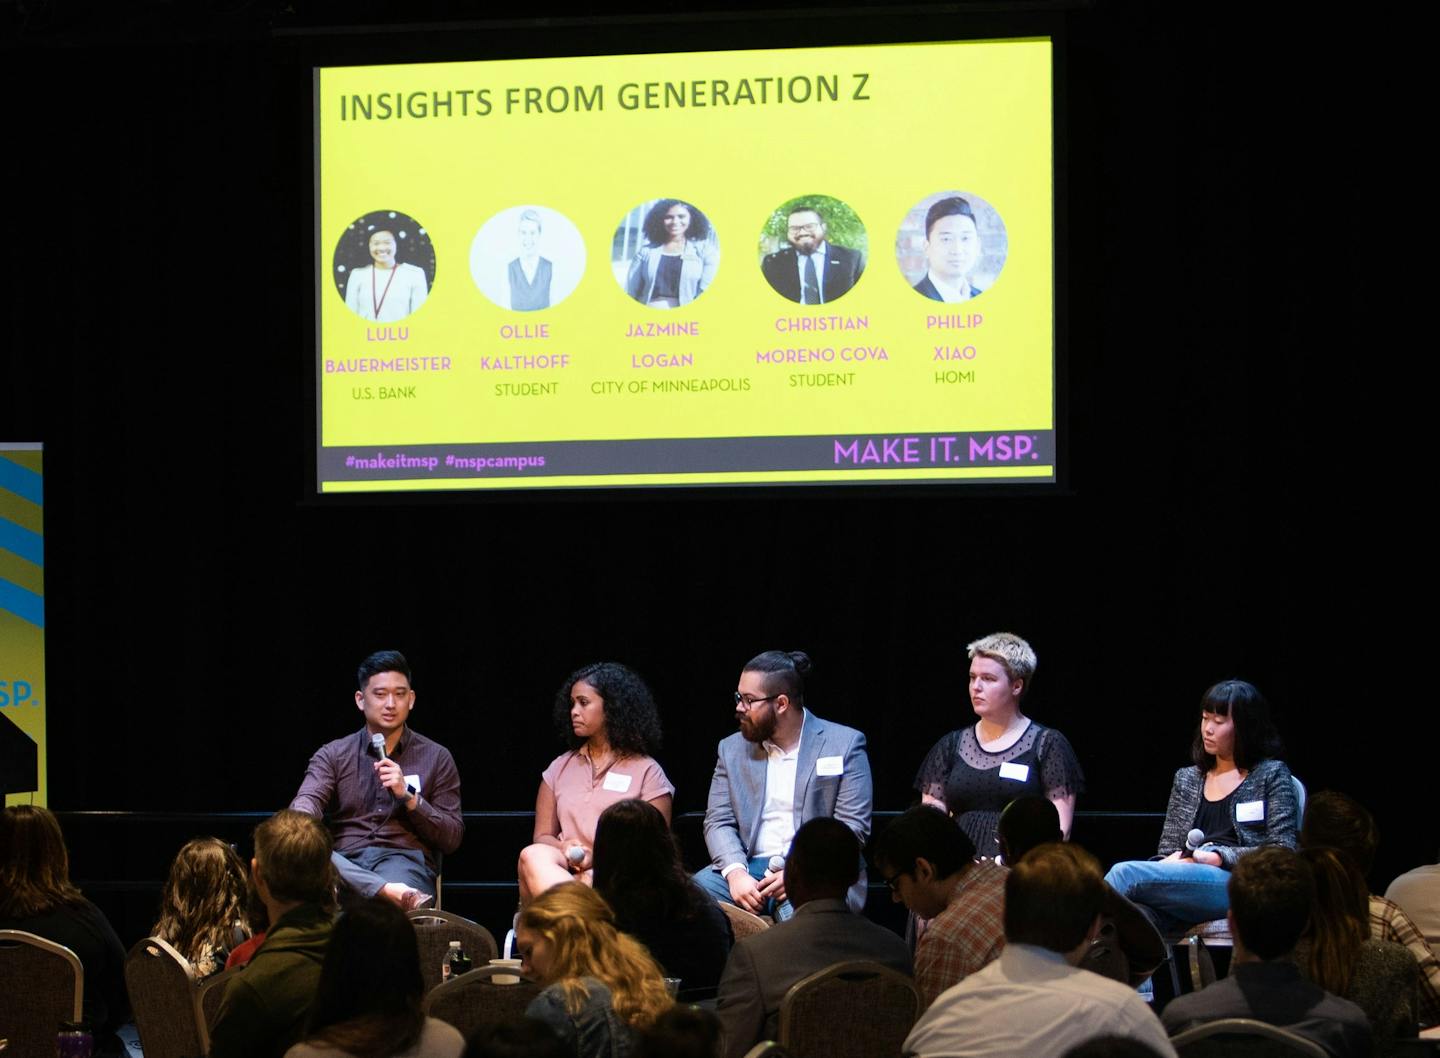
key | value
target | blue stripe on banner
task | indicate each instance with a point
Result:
(25, 605)
(22, 481)
(28, 545)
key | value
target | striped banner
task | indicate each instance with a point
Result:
(22, 612)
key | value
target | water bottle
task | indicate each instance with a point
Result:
(456, 962)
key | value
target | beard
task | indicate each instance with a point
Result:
(758, 729)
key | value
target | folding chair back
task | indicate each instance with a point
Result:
(853, 1009)
(43, 984)
(166, 1001)
(434, 930)
(472, 1001)
(1244, 1038)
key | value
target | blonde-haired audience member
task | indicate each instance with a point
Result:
(602, 986)
(976, 770)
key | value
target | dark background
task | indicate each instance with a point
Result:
(206, 612)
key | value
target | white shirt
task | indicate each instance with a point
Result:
(777, 819)
(1031, 1003)
(1418, 893)
(399, 292)
(437, 1040)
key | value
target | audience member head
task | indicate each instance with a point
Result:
(921, 854)
(34, 866)
(1271, 892)
(292, 860)
(568, 932)
(1339, 919)
(1013, 653)
(1340, 822)
(382, 661)
(1255, 736)
(682, 1032)
(637, 863)
(367, 1003)
(824, 862)
(1053, 898)
(203, 899)
(632, 722)
(1026, 823)
(518, 1038)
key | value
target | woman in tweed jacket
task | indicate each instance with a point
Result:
(1237, 796)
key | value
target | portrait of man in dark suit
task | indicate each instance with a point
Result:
(952, 251)
(811, 270)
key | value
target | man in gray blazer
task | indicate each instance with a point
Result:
(762, 967)
(784, 767)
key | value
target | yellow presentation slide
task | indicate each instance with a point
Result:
(808, 265)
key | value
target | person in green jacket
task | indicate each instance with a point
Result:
(265, 1008)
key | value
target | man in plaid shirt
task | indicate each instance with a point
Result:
(929, 864)
(1335, 821)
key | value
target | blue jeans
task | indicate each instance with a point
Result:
(709, 879)
(367, 870)
(1175, 895)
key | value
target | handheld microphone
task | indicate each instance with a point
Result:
(575, 854)
(378, 741)
(1194, 839)
(777, 864)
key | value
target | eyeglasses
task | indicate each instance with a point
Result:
(747, 702)
(797, 229)
(894, 879)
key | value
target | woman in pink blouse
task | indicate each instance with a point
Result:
(607, 717)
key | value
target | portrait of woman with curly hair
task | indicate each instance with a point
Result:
(677, 259)
(607, 719)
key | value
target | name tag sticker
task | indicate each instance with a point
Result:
(1011, 770)
(830, 766)
(617, 782)
(1250, 812)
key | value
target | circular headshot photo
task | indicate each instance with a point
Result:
(813, 250)
(384, 266)
(527, 258)
(665, 253)
(951, 246)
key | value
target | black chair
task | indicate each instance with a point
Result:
(434, 930)
(212, 994)
(856, 1009)
(166, 1001)
(1244, 1038)
(43, 984)
(473, 1001)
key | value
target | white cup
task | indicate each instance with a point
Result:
(506, 979)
